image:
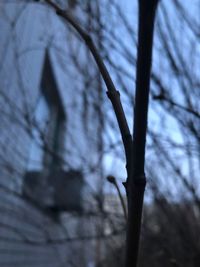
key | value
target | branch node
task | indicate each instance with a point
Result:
(111, 179)
(87, 38)
(112, 94)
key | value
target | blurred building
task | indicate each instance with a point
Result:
(50, 139)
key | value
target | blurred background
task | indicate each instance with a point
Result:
(59, 137)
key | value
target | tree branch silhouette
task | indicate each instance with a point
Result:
(134, 150)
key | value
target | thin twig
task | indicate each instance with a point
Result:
(113, 181)
(112, 93)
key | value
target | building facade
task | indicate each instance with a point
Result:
(50, 139)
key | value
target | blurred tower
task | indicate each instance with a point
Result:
(51, 137)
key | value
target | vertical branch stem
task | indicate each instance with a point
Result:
(136, 181)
